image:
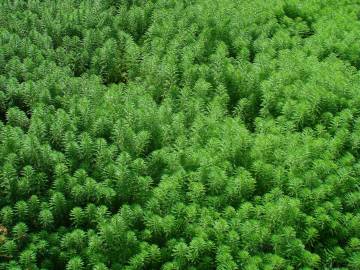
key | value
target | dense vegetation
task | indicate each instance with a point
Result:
(181, 134)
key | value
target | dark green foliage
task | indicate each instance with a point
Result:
(179, 134)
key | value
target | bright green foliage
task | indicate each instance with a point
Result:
(179, 134)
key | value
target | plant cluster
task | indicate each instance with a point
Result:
(179, 134)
